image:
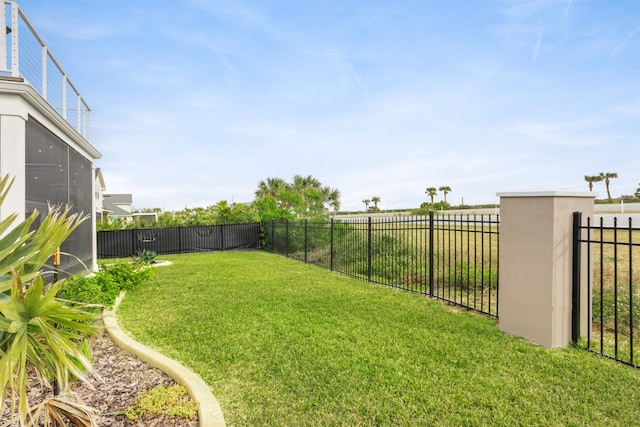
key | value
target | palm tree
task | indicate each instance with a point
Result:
(304, 182)
(637, 194)
(271, 187)
(375, 200)
(332, 197)
(445, 189)
(591, 179)
(607, 176)
(366, 203)
(431, 191)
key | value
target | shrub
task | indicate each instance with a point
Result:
(99, 290)
(103, 288)
(145, 257)
(126, 275)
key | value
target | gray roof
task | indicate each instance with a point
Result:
(111, 202)
(121, 199)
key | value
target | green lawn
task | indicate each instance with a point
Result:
(283, 343)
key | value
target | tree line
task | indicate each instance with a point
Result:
(275, 198)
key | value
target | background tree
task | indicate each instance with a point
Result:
(375, 200)
(271, 187)
(637, 193)
(431, 192)
(591, 179)
(445, 189)
(366, 203)
(304, 197)
(333, 198)
(607, 176)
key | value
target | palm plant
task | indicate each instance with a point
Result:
(375, 200)
(36, 329)
(271, 187)
(431, 192)
(591, 179)
(445, 189)
(333, 198)
(607, 176)
(304, 197)
(366, 203)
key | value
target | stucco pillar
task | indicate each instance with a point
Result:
(535, 292)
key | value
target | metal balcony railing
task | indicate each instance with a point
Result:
(24, 54)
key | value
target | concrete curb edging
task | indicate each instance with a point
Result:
(209, 410)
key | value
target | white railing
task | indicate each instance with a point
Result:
(24, 54)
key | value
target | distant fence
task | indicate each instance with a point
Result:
(177, 240)
(449, 257)
(613, 254)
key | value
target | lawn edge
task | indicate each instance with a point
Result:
(209, 410)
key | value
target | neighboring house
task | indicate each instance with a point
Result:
(118, 206)
(98, 196)
(44, 136)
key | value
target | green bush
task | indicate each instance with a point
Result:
(127, 276)
(103, 288)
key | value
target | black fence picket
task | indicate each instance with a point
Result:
(449, 257)
(177, 240)
(612, 253)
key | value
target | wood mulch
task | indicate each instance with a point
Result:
(120, 378)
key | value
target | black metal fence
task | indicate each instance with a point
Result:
(613, 257)
(450, 257)
(177, 240)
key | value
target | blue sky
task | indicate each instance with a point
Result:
(196, 101)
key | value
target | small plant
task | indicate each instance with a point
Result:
(173, 401)
(145, 257)
(102, 289)
(127, 276)
(99, 290)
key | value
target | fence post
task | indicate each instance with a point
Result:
(369, 249)
(133, 242)
(431, 217)
(286, 238)
(306, 222)
(331, 245)
(575, 286)
(535, 259)
(221, 237)
(273, 236)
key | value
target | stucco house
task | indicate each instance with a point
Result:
(45, 128)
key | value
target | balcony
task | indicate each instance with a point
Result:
(25, 56)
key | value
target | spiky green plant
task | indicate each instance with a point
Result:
(42, 332)
(36, 329)
(24, 250)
